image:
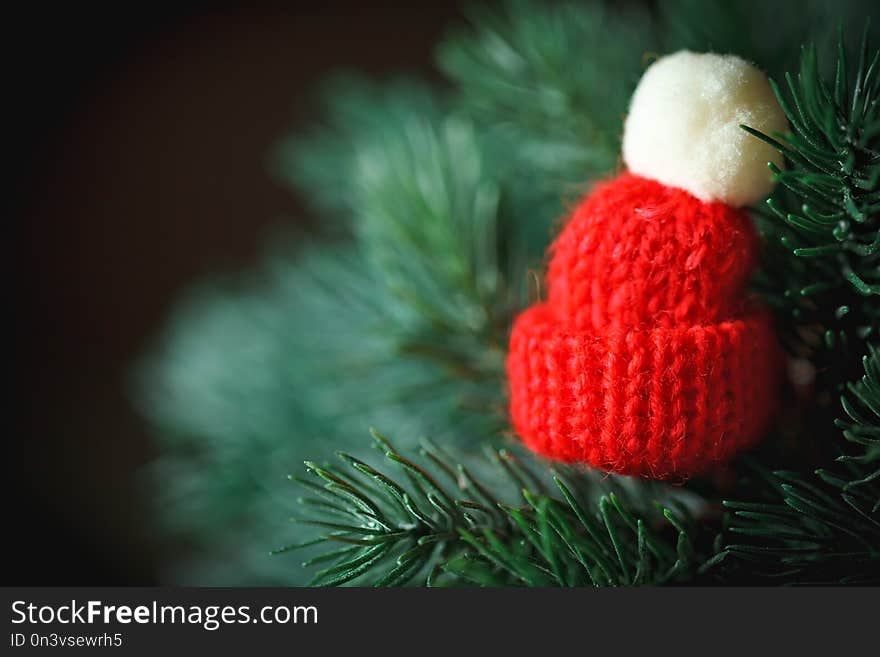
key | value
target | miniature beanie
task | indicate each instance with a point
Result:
(648, 357)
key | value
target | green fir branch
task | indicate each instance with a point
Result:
(821, 527)
(822, 268)
(515, 74)
(352, 114)
(862, 426)
(441, 526)
(820, 271)
(429, 212)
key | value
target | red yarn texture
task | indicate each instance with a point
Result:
(647, 358)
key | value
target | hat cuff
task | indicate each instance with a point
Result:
(662, 402)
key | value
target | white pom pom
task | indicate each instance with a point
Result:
(683, 127)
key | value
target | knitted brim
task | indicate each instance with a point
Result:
(661, 402)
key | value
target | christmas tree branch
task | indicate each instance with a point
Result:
(446, 528)
(821, 271)
(822, 527)
(823, 226)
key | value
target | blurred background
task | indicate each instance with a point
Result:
(140, 136)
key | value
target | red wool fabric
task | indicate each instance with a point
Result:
(647, 357)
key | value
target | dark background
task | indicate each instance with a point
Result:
(137, 144)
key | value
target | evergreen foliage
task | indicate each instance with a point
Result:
(433, 212)
(824, 236)
(424, 531)
(822, 527)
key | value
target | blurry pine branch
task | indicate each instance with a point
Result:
(432, 212)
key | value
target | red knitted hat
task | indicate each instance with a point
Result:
(647, 357)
